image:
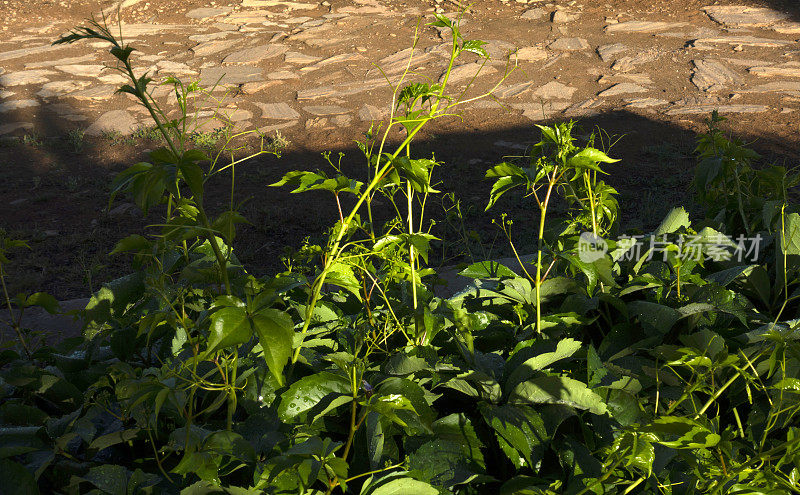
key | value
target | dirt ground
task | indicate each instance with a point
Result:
(646, 72)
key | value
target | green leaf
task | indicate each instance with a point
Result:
(275, 331)
(457, 428)
(417, 172)
(684, 433)
(20, 440)
(790, 239)
(675, 219)
(487, 270)
(557, 390)
(342, 274)
(110, 478)
(44, 301)
(422, 416)
(654, 315)
(508, 176)
(311, 392)
(476, 47)
(15, 479)
(403, 486)
(229, 327)
(114, 438)
(111, 301)
(133, 242)
(193, 175)
(520, 431)
(564, 349)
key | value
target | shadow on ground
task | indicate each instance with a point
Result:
(57, 197)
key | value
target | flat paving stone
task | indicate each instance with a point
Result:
(255, 54)
(102, 92)
(207, 48)
(325, 110)
(208, 12)
(633, 77)
(277, 111)
(555, 90)
(15, 126)
(513, 90)
(534, 14)
(88, 70)
(398, 61)
(62, 61)
(784, 70)
(776, 87)
(283, 4)
(8, 106)
(622, 89)
(743, 40)
(300, 58)
(25, 77)
(134, 30)
(28, 51)
(607, 52)
(569, 44)
(541, 111)
(58, 88)
(629, 63)
(230, 75)
(712, 75)
(114, 121)
(644, 102)
(341, 90)
(369, 113)
(744, 15)
(466, 72)
(531, 53)
(708, 108)
(281, 75)
(643, 26)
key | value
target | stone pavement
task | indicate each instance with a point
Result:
(306, 66)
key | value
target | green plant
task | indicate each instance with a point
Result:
(75, 139)
(557, 164)
(666, 363)
(33, 139)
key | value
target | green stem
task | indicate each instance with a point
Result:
(232, 392)
(539, 245)
(14, 325)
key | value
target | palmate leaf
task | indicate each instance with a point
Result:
(304, 181)
(476, 47)
(508, 177)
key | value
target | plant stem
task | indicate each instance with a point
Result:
(539, 243)
(14, 325)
